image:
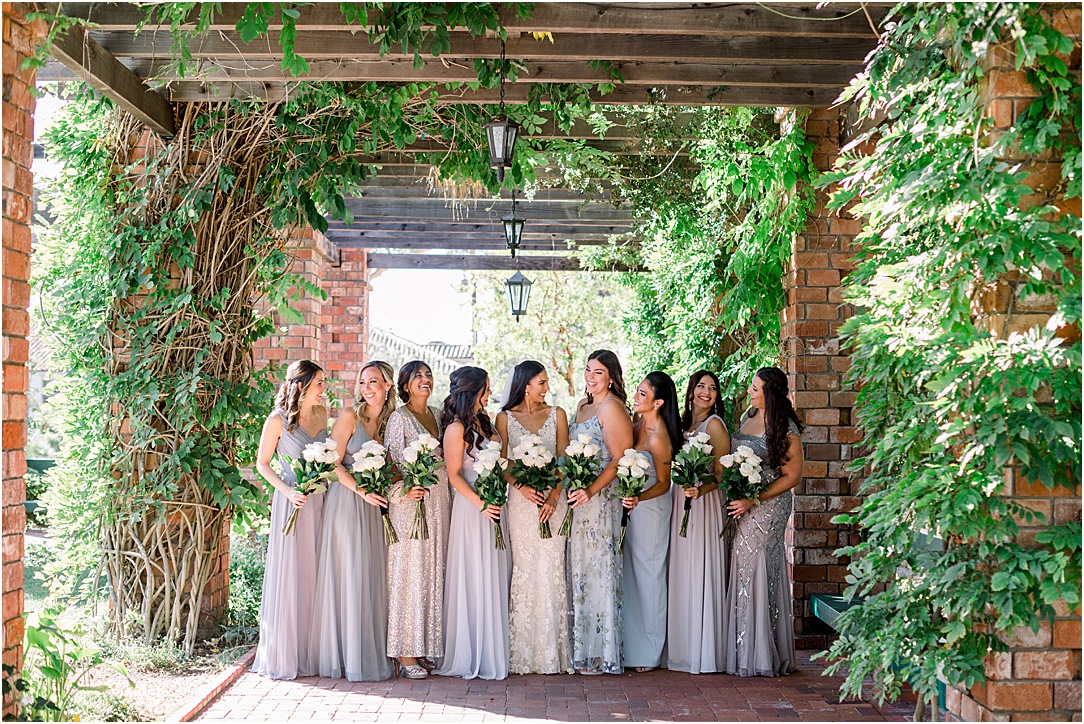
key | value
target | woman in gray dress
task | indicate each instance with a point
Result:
(760, 632)
(657, 432)
(350, 629)
(696, 609)
(594, 568)
(286, 607)
(478, 576)
(416, 567)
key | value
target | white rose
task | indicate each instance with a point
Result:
(410, 455)
(637, 472)
(703, 437)
(727, 461)
(546, 457)
(747, 470)
(591, 450)
(755, 478)
(309, 454)
(584, 438)
(745, 451)
(574, 448)
(622, 470)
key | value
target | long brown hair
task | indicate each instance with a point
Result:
(609, 360)
(778, 414)
(361, 412)
(299, 375)
(467, 384)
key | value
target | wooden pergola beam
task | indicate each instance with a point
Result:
(437, 208)
(470, 262)
(347, 242)
(419, 227)
(92, 63)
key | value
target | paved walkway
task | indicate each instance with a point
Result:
(657, 696)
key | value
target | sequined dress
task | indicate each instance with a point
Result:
(538, 624)
(594, 572)
(416, 567)
(760, 632)
(286, 606)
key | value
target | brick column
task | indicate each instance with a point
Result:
(812, 358)
(19, 39)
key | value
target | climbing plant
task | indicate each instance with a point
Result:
(961, 394)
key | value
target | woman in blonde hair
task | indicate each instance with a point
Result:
(351, 611)
(286, 608)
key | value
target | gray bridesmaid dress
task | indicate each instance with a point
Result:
(696, 625)
(760, 629)
(289, 582)
(643, 586)
(476, 587)
(350, 628)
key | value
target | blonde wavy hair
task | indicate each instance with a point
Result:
(361, 406)
(299, 376)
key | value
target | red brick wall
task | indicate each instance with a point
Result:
(812, 359)
(19, 39)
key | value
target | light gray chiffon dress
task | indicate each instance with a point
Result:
(289, 582)
(760, 629)
(594, 571)
(538, 622)
(643, 587)
(350, 628)
(476, 587)
(415, 567)
(696, 609)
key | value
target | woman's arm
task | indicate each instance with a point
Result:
(269, 441)
(617, 437)
(341, 432)
(790, 476)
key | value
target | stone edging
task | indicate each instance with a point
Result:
(209, 692)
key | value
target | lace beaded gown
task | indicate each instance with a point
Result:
(475, 590)
(350, 628)
(643, 586)
(594, 572)
(760, 629)
(696, 608)
(538, 623)
(286, 607)
(415, 567)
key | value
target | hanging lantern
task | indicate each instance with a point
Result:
(513, 228)
(501, 135)
(519, 291)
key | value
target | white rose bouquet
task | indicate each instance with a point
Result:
(315, 468)
(491, 486)
(580, 468)
(691, 467)
(742, 477)
(419, 468)
(373, 472)
(631, 475)
(536, 468)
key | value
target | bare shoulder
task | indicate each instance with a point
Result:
(659, 447)
(562, 417)
(273, 423)
(501, 420)
(612, 409)
(716, 427)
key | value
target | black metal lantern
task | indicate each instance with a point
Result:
(501, 135)
(513, 228)
(519, 292)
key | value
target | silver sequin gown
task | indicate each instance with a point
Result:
(760, 632)
(538, 623)
(696, 624)
(416, 567)
(350, 628)
(289, 582)
(594, 572)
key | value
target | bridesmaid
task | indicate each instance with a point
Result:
(657, 432)
(476, 583)
(594, 566)
(286, 608)
(760, 632)
(351, 623)
(538, 622)
(416, 567)
(697, 619)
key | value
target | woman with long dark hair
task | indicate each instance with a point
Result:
(696, 608)
(416, 567)
(350, 629)
(286, 608)
(538, 622)
(657, 433)
(478, 575)
(760, 630)
(594, 565)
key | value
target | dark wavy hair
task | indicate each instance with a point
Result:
(406, 374)
(613, 365)
(521, 377)
(663, 387)
(467, 384)
(778, 414)
(690, 392)
(299, 375)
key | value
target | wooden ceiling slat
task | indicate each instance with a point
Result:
(348, 242)
(535, 229)
(435, 208)
(476, 262)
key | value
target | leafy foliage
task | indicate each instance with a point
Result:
(961, 393)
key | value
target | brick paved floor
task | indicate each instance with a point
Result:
(657, 696)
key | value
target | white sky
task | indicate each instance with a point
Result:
(421, 305)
